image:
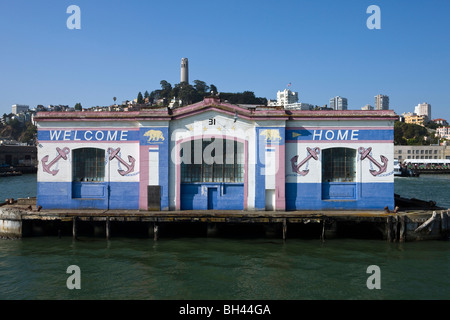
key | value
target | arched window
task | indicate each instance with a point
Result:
(88, 165)
(212, 160)
(339, 165)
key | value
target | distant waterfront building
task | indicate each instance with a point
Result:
(421, 152)
(184, 70)
(338, 103)
(286, 97)
(18, 155)
(20, 108)
(423, 109)
(367, 107)
(381, 102)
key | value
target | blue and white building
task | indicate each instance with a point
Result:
(216, 156)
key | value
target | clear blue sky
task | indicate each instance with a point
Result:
(322, 47)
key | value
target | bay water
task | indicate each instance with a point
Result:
(204, 268)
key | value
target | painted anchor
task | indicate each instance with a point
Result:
(313, 153)
(114, 154)
(61, 154)
(365, 153)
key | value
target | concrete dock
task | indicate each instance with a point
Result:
(22, 219)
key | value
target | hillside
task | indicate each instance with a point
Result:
(413, 134)
(18, 131)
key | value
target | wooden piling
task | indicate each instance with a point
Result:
(108, 226)
(59, 229)
(389, 229)
(150, 229)
(395, 225)
(402, 229)
(74, 227)
(322, 236)
(284, 229)
(330, 229)
(155, 231)
(211, 229)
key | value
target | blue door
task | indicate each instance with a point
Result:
(212, 198)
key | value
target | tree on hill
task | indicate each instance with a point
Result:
(188, 94)
(410, 134)
(213, 89)
(78, 107)
(29, 134)
(140, 98)
(432, 125)
(194, 93)
(12, 130)
(154, 95)
(201, 87)
(246, 97)
(166, 89)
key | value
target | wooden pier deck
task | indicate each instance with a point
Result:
(401, 226)
(204, 216)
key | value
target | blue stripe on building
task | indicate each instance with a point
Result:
(338, 135)
(88, 135)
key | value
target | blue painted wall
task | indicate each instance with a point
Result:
(229, 196)
(311, 196)
(79, 195)
(339, 190)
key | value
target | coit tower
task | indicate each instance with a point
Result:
(184, 70)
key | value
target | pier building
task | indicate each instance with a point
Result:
(18, 158)
(213, 155)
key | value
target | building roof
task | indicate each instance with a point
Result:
(214, 103)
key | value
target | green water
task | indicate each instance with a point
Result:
(228, 268)
(205, 268)
(18, 186)
(427, 187)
